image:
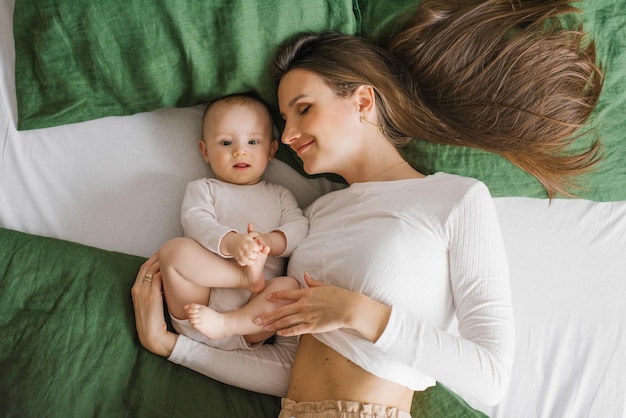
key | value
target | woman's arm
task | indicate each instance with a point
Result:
(478, 360)
(265, 370)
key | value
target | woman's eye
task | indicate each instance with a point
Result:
(305, 109)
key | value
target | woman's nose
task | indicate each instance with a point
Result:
(290, 134)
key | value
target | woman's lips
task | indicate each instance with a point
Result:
(303, 147)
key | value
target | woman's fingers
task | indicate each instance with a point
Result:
(151, 265)
(145, 275)
(284, 321)
(288, 294)
(148, 306)
(294, 319)
(311, 282)
(319, 308)
(278, 313)
(156, 288)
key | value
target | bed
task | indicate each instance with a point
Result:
(99, 115)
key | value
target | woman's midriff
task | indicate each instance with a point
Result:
(320, 373)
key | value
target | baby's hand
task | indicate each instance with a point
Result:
(261, 239)
(247, 251)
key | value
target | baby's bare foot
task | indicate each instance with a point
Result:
(253, 278)
(209, 322)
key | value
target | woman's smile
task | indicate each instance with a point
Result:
(300, 148)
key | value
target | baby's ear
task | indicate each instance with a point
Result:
(273, 148)
(203, 150)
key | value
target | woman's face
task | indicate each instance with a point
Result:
(320, 126)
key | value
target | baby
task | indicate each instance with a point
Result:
(239, 228)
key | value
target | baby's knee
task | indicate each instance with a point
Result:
(171, 253)
(282, 283)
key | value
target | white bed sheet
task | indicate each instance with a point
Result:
(117, 183)
(568, 279)
(114, 183)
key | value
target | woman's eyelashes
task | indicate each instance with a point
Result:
(301, 109)
(304, 109)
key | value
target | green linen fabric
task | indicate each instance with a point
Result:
(69, 348)
(80, 60)
(68, 345)
(605, 21)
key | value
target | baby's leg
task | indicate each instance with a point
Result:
(252, 277)
(189, 272)
(216, 325)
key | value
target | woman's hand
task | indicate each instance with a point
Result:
(322, 308)
(148, 303)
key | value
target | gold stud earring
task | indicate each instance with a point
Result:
(363, 118)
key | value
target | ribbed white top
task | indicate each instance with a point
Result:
(429, 248)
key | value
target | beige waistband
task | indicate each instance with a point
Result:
(338, 409)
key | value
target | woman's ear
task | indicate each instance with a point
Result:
(203, 151)
(365, 98)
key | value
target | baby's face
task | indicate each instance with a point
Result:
(238, 141)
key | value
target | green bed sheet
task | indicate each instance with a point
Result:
(68, 345)
(83, 60)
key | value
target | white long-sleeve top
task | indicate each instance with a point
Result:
(212, 208)
(431, 249)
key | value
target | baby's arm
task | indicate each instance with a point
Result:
(294, 226)
(199, 218)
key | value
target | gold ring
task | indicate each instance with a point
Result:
(147, 278)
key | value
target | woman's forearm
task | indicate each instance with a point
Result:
(266, 369)
(368, 317)
(163, 347)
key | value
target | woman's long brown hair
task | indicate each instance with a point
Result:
(504, 76)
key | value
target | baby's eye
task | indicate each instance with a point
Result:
(225, 142)
(253, 141)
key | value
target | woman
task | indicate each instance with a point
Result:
(391, 260)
